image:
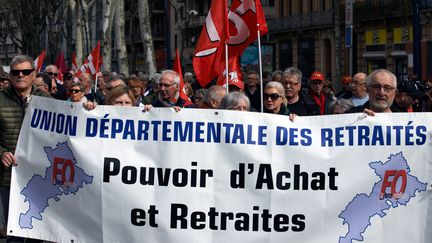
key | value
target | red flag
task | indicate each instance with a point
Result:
(38, 62)
(235, 75)
(61, 64)
(74, 63)
(210, 47)
(178, 69)
(92, 62)
(245, 16)
(262, 24)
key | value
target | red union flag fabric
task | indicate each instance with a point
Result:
(209, 50)
(61, 64)
(74, 63)
(38, 62)
(234, 73)
(92, 62)
(244, 15)
(178, 69)
(261, 18)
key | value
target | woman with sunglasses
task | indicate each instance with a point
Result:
(76, 92)
(274, 99)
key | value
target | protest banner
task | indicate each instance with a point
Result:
(116, 174)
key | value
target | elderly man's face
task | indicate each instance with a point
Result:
(22, 76)
(358, 85)
(167, 87)
(52, 71)
(292, 86)
(382, 92)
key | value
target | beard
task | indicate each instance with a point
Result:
(379, 105)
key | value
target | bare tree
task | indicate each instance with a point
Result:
(146, 36)
(77, 29)
(106, 33)
(120, 37)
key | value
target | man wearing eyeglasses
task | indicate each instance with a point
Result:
(381, 85)
(169, 86)
(359, 89)
(297, 102)
(13, 103)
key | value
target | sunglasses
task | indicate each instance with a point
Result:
(52, 74)
(272, 96)
(25, 72)
(75, 91)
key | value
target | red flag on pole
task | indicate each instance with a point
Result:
(262, 24)
(234, 73)
(209, 51)
(182, 89)
(61, 65)
(38, 62)
(92, 62)
(245, 16)
(74, 63)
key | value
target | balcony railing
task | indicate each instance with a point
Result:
(305, 21)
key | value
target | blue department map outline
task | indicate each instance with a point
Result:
(38, 198)
(385, 203)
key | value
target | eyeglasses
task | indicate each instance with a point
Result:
(75, 91)
(290, 84)
(165, 85)
(378, 87)
(273, 96)
(52, 74)
(25, 72)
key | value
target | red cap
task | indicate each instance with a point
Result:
(346, 79)
(317, 76)
(236, 82)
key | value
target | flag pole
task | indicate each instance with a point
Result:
(226, 67)
(260, 67)
(96, 82)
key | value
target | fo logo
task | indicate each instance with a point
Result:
(63, 171)
(391, 178)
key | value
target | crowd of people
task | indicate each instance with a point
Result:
(284, 93)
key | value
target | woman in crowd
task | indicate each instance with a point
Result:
(120, 96)
(137, 88)
(235, 101)
(77, 93)
(274, 99)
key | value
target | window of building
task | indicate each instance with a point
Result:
(306, 56)
(285, 54)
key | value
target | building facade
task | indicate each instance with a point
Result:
(311, 36)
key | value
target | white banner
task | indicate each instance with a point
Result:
(121, 175)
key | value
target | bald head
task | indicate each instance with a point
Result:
(214, 96)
